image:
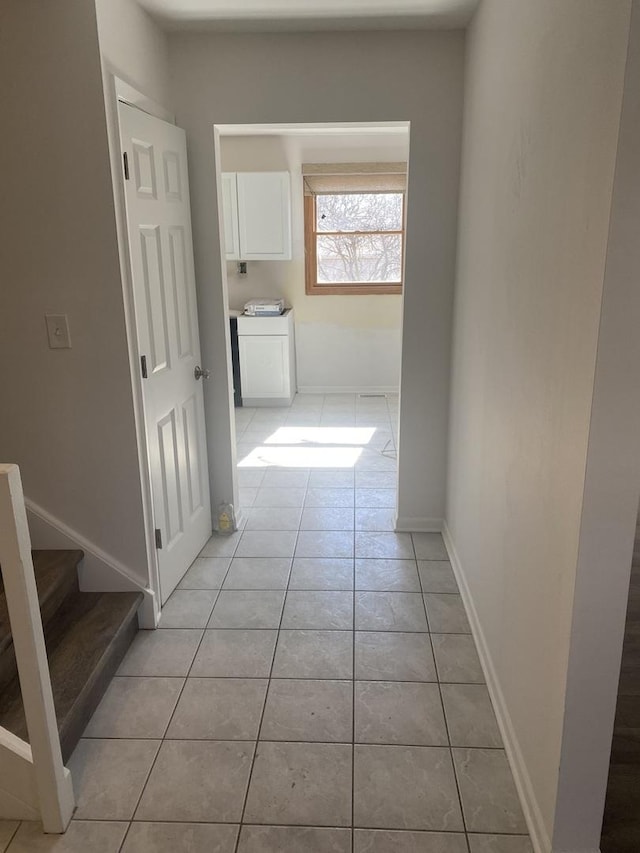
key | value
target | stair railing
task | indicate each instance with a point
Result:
(35, 783)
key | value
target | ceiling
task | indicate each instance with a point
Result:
(278, 15)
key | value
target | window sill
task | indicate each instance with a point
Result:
(353, 289)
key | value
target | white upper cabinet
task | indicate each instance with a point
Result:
(230, 216)
(257, 215)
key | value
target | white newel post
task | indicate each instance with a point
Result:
(53, 780)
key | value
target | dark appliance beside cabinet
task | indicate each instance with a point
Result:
(235, 362)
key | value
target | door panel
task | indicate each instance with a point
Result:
(179, 275)
(170, 473)
(154, 304)
(172, 176)
(191, 426)
(159, 224)
(144, 169)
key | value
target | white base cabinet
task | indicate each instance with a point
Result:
(267, 360)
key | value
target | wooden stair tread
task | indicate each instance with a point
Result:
(56, 574)
(86, 641)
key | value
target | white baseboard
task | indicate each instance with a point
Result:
(405, 524)
(533, 816)
(267, 402)
(99, 571)
(348, 389)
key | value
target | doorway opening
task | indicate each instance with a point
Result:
(316, 402)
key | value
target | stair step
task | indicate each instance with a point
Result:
(56, 574)
(86, 641)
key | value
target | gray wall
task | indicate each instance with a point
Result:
(544, 84)
(67, 415)
(610, 500)
(134, 47)
(340, 77)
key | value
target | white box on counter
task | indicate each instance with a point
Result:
(264, 307)
(279, 325)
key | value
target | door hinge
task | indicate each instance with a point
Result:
(125, 157)
(143, 366)
(158, 538)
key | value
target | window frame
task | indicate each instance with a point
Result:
(366, 288)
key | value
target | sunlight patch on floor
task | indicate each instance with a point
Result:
(322, 435)
(301, 457)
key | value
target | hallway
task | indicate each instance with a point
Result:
(313, 686)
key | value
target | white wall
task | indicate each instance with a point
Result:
(342, 342)
(66, 416)
(370, 77)
(609, 511)
(543, 95)
(134, 47)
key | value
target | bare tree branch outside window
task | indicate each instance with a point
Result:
(351, 243)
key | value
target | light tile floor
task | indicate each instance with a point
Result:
(313, 687)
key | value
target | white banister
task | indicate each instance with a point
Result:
(52, 781)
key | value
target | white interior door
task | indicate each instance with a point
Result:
(159, 225)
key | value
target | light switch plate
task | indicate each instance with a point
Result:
(58, 331)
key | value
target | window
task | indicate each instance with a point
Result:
(354, 229)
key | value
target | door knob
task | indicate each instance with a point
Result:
(199, 373)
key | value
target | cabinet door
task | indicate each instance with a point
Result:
(230, 216)
(264, 365)
(264, 215)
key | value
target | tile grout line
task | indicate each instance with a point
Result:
(366, 630)
(163, 738)
(305, 740)
(303, 678)
(13, 836)
(124, 837)
(266, 696)
(444, 714)
(451, 832)
(353, 689)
